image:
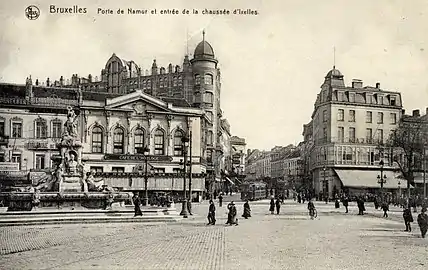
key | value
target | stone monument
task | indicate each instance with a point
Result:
(69, 173)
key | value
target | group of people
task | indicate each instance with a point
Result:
(231, 215)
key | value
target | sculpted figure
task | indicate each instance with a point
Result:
(72, 164)
(93, 184)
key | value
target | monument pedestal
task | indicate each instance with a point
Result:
(70, 183)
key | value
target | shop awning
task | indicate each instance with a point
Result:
(368, 179)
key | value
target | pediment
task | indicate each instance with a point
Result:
(137, 102)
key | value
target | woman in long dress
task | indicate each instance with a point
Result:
(137, 202)
(272, 206)
(247, 210)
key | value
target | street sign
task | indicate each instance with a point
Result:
(137, 157)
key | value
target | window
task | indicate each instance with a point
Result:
(209, 97)
(180, 81)
(118, 169)
(174, 81)
(380, 117)
(210, 116)
(96, 169)
(351, 116)
(369, 135)
(97, 140)
(161, 83)
(324, 133)
(208, 79)
(380, 100)
(340, 96)
(41, 129)
(16, 158)
(393, 117)
(118, 141)
(392, 103)
(368, 117)
(210, 138)
(380, 136)
(139, 141)
(40, 162)
(177, 170)
(56, 129)
(197, 79)
(351, 134)
(16, 130)
(340, 134)
(178, 145)
(2, 128)
(209, 156)
(340, 115)
(324, 116)
(351, 97)
(2, 158)
(159, 142)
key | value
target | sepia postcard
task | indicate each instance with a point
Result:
(217, 134)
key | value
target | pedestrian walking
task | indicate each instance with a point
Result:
(211, 214)
(423, 222)
(247, 210)
(311, 208)
(137, 202)
(272, 206)
(408, 218)
(385, 208)
(231, 216)
(361, 207)
(299, 198)
(220, 200)
(345, 202)
(336, 203)
(278, 206)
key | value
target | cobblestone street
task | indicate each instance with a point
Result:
(287, 241)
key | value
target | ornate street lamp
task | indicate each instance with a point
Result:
(146, 151)
(185, 142)
(399, 189)
(381, 179)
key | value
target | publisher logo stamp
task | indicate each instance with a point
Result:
(32, 12)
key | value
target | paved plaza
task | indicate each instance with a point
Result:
(291, 240)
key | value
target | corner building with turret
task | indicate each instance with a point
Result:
(126, 103)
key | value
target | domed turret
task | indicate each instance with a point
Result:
(204, 51)
(334, 73)
(334, 78)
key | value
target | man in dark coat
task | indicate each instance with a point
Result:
(361, 208)
(277, 205)
(137, 202)
(272, 206)
(220, 200)
(345, 202)
(408, 218)
(211, 214)
(423, 222)
(385, 208)
(247, 210)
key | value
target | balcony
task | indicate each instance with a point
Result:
(38, 144)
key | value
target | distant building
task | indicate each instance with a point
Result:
(348, 125)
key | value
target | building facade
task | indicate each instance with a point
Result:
(349, 126)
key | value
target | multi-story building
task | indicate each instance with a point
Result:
(349, 124)
(163, 101)
(251, 164)
(238, 159)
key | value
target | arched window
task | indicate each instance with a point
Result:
(180, 81)
(178, 145)
(161, 83)
(118, 141)
(174, 82)
(41, 129)
(159, 142)
(208, 79)
(139, 141)
(97, 140)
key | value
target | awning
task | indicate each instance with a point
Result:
(368, 179)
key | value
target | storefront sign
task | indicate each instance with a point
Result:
(9, 167)
(137, 157)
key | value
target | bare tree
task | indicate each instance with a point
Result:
(407, 144)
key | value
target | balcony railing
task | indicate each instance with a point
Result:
(350, 140)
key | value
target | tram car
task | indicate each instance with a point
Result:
(253, 191)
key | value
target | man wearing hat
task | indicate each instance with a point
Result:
(423, 222)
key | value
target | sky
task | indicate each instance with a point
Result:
(272, 64)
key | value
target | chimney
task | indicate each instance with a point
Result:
(47, 82)
(416, 113)
(378, 85)
(426, 111)
(403, 111)
(357, 83)
(61, 81)
(37, 82)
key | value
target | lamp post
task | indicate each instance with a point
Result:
(381, 179)
(399, 189)
(189, 205)
(326, 185)
(184, 212)
(146, 176)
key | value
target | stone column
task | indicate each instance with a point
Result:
(107, 135)
(150, 141)
(169, 135)
(129, 133)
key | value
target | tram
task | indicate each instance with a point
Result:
(253, 191)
